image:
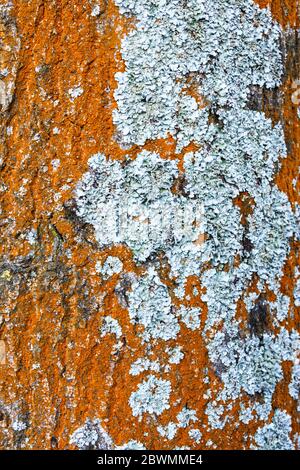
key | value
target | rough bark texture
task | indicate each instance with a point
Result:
(131, 352)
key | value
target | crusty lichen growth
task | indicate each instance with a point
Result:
(277, 434)
(240, 152)
(173, 39)
(150, 225)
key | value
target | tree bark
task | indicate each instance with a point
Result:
(165, 337)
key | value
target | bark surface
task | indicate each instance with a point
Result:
(110, 342)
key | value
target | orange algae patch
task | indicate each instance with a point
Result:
(57, 371)
(57, 365)
(286, 12)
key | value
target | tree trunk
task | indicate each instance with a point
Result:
(149, 273)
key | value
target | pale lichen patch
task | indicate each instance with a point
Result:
(152, 396)
(276, 435)
(111, 326)
(150, 306)
(238, 152)
(112, 265)
(75, 92)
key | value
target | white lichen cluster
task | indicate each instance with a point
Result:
(152, 396)
(75, 92)
(175, 355)
(294, 386)
(195, 434)
(111, 326)
(150, 306)
(91, 436)
(228, 45)
(224, 48)
(297, 289)
(276, 435)
(112, 265)
(142, 364)
(131, 445)
(184, 418)
(96, 10)
(135, 205)
(19, 426)
(9, 57)
(190, 316)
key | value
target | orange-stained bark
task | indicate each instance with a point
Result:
(286, 12)
(58, 371)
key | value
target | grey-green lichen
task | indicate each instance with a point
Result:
(294, 386)
(110, 325)
(150, 306)
(276, 435)
(183, 419)
(251, 365)
(91, 436)
(190, 316)
(142, 364)
(152, 396)
(223, 48)
(228, 45)
(110, 266)
(135, 205)
(196, 435)
(131, 445)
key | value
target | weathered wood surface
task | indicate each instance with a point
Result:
(164, 345)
